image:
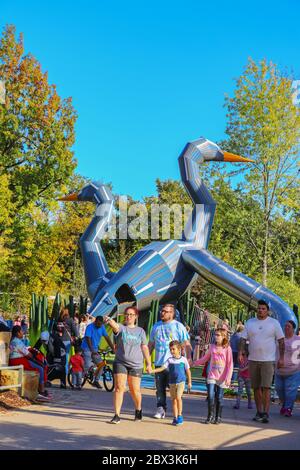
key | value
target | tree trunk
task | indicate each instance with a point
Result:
(265, 255)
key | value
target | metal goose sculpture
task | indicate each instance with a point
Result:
(164, 270)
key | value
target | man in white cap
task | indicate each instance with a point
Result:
(42, 341)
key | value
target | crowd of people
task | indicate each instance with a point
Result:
(260, 352)
(50, 356)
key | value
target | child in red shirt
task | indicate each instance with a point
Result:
(77, 364)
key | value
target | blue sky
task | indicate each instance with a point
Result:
(146, 77)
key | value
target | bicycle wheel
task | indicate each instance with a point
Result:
(70, 379)
(89, 376)
(108, 379)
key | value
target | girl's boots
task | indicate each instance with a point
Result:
(218, 416)
(210, 415)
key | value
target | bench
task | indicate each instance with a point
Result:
(20, 370)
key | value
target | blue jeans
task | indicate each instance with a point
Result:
(161, 383)
(215, 393)
(77, 379)
(40, 370)
(68, 349)
(286, 387)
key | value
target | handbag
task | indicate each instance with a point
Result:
(72, 338)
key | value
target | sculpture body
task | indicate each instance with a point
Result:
(165, 270)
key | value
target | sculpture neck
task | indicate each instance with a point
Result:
(93, 258)
(199, 225)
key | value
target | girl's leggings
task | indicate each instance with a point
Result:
(244, 382)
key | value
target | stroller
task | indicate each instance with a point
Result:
(57, 371)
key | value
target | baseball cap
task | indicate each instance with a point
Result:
(45, 336)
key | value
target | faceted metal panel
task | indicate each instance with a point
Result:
(165, 270)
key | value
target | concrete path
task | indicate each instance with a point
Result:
(79, 420)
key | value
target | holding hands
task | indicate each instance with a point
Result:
(280, 363)
(149, 369)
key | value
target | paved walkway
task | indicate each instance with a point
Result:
(79, 420)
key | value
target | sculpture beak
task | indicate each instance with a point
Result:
(231, 157)
(70, 197)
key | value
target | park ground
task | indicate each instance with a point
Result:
(80, 420)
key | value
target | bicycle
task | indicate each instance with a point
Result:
(90, 375)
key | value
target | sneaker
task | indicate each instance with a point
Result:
(288, 412)
(160, 413)
(265, 418)
(45, 393)
(138, 415)
(179, 420)
(283, 410)
(174, 422)
(236, 406)
(96, 384)
(42, 397)
(63, 386)
(258, 417)
(116, 420)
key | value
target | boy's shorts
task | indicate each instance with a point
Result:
(176, 390)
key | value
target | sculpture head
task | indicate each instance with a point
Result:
(203, 150)
(91, 192)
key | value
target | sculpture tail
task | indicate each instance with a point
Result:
(236, 284)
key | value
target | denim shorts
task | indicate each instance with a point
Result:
(119, 368)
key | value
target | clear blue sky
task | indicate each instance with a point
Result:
(148, 76)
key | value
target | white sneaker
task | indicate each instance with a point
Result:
(41, 397)
(160, 413)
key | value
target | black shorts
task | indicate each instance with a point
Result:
(119, 368)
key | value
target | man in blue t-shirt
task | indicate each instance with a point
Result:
(162, 333)
(90, 344)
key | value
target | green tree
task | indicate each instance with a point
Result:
(264, 124)
(5, 225)
(36, 162)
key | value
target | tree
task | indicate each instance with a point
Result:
(264, 124)
(36, 162)
(36, 126)
(5, 224)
